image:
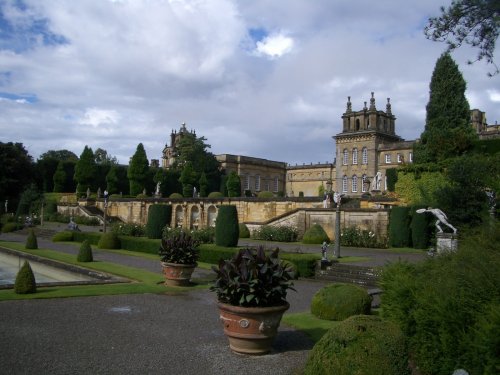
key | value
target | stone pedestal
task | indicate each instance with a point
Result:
(446, 242)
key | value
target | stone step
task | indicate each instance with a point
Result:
(347, 273)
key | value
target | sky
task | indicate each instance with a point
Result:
(268, 79)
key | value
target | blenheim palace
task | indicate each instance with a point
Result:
(367, 146)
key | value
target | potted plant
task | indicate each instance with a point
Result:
(251, 290)
(178, 256)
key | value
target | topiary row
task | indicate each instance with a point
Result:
(159, 215)
(227, 226)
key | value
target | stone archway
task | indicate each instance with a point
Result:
(211, 216)
(194, 222)
(179, 216)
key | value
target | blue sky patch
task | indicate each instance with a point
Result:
(258, 34)
(21, 98)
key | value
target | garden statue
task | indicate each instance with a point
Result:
(88, 193)
(377, 181)
(441, 218)
(72, 225)
(157, 192)
(324, 247)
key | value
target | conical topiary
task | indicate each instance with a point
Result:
(227, 228)
(85, 253)
(25, 280)
(31, 242)
(109, 241)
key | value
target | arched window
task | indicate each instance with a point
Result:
(364, 187)
(344, 184)
(257, 183)
(346, 157)
(354, 184)
(355, 156)
(365, 155)
(357, 124)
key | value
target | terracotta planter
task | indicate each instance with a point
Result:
(177, 274)
(251, 330)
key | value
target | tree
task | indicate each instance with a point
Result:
(59, 178)
(47, 164)
(112, 180)
(203, 183)
(137, 172)
(16, 172)
(85, 171)
(102, 157)
(188, 179)
(64, 155)
(447, 132)
(473, 22)
(233, 185)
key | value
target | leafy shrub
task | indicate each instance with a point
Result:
(305, 263)
(92, 237)
(85, 253)
(31, 241)
(125, 229)
(109, 240)
(392, 178)
(315, 235)
(449, 296)
(419, 188)
(176, 196)
(399, 227)
(227, 226)
(353, 236)
(281, 233)
(179, 247)
(25, 280)
(244, 231)
(10, 227)
(159, 215)
(361, 344)
(204, 235)
(252, 278)
(265, 194)
(340, 301)
(215, 195)
(64, 236)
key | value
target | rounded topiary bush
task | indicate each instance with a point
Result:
(315, 235)
(340, 301)
(25, 280)
(227, 226)
(215, 195)
(62, 236)
(175, 196)
(109, 241)
(85, 253)
(361, 344)
(31, 241)
(244, 231)
(159, 216)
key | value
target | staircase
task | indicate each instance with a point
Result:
(348, 273)
(40, 232)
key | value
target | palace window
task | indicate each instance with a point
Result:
(365, 155)
(344, 184)
(387, 158)
(346, 157)
(276, 184)
(410, 157)
(246, 183)
(400, 158)
(355, 156)
(364, 187)
(354, 184)
(257, 183)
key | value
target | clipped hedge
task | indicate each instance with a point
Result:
(85, 253)
(305, 263)
(399, 227)
(227, 226)
(31, 241)
(210, 253)
(420, 231)
(92, 237)
(361, 344)
(215, 195)
(244, 231)
(159, 215)
(109, 241)
(140, 244)
(340, 301)
(10, 227)
(315, 235)
(25, 280)
(63, 236)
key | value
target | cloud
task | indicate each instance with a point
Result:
(494, 95)
(96, 117)
(275, 45)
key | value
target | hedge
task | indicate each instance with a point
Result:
(159, 215)
(227, 227)
(340, 301)
(140, 244)
(92, 237)
(62, 236)
(420, 232)
(399, 227)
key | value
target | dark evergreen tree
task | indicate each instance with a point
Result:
(85, 253)
(448, 132)
(31, 240)
(159, 215)
(16, 172)
(59, 178)
(47, 165)
(137, 172)
(25, 280)
(233, 185)
(227, 230)
(85, 171)
(112, 180)
(30, 201)
(203, 183)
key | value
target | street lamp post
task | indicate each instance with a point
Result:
(105, 209)
(336, 249)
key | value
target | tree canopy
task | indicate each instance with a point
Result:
(137, 172)
(447, 132)
(61, 155)
(85, 171)
(473, 22)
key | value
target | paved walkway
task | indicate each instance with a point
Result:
(141, 334)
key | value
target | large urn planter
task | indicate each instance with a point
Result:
(177, 274)
(251, 330)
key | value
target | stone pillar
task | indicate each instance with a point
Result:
(446, 242)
